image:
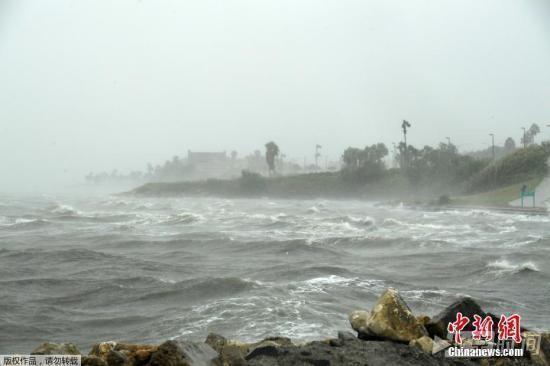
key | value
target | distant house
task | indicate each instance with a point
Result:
(206, 158)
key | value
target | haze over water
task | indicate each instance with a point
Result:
(144, 270)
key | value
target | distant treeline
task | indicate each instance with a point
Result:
(419, 172)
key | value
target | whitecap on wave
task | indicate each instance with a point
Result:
(503, 266)
(322, 284)
(363, 221)
(61, 209)
(313, 209)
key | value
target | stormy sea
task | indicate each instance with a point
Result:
(123, 268)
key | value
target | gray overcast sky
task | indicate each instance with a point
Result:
(97, 85)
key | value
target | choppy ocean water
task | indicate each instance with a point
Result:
(145, 270)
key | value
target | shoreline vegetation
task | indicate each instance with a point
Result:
(389, 334)
(440, 177)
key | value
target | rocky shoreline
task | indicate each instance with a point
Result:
(389, 334)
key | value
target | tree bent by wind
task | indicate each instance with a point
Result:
(271, 152)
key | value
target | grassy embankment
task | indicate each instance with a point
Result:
(498, 197)
(501, 182)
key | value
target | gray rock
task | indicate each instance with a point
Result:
(232, 355)
(102, 349)
(424, 343)
(216, 341)
(116, 358)
(48, 348)
(345, 335)
(168, 354)
(181, 353)
(198, 354)
(93, 361)
(350, 352)
(466, 305)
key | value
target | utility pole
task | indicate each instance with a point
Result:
(524, 138)
(493, 140)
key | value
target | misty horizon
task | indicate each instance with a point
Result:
(101, 86)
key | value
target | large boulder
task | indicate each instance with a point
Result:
(116, 358)
(48, 348)
(216, 341)
(123, 353)
(137, 354)
(389, 319)
(102, 349)
(168, 354)
(232, 355)
(437, 326)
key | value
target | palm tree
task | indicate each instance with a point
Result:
(509, 144)
(271, 152)
(533, 131)
(404, 126)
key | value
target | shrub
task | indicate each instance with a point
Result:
(251, 182)
(523, 164)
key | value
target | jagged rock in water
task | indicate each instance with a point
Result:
(268, 345)
(198, 354)
(138, 354)
(116, 358)
(129, 354)
(102, 349)
(389, 319)
(229, 352)
(181, 353)
(466, 305)
(48, 348)
(232, 355)
(216, 341)
(168, 354)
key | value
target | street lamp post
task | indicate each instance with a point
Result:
(493, 141)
